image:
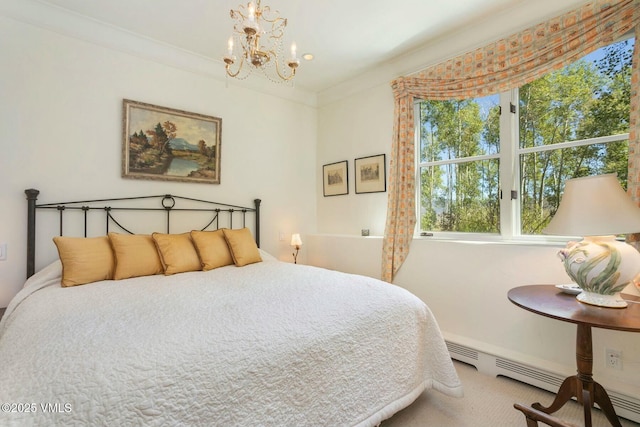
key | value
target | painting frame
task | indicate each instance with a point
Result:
(161, 143)
(335, 178)
(371, 174)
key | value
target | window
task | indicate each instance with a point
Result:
(459, 161)
(497, 164)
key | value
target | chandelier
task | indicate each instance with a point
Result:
(258, 32)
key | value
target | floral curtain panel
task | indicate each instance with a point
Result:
(503, 65)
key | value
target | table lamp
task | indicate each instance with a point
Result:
(296, 242)
(597, 208)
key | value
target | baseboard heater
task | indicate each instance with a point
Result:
(626, 406)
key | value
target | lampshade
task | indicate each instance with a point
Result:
(595, 206)
(295, 240)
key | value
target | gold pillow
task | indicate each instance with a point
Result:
(85, 259)
(212, 249)
(136, 255)
(177, 253)
(242, 245)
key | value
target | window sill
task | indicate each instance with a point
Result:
(559, 242)
(474, 239)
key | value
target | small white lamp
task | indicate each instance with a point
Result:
(296, 242)
(598, 208)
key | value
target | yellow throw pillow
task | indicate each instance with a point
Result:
(212, 249)
(177, 253)
(136, 255)
(85, 259)
(242, 245)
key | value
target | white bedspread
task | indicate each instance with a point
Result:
(268, 344)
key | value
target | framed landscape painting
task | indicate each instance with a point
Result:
(335, 179)
(167, 144)
(371, 174)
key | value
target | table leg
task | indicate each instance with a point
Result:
(581, 386)
(603, 401)
(567, 391)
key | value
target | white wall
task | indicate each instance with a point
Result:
(354, 127)
(61, 132)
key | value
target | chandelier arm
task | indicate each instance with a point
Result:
(238, 15)
(230, 74)
(293, 70)
(282, 21)
(228, 68)
(275, 34)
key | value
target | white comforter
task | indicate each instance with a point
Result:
(268, 344)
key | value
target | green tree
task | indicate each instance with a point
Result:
(161, 135)
(581, 101)
(453, 194)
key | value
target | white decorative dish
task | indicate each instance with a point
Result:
(572, 289)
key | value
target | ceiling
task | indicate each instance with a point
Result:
(347, 37)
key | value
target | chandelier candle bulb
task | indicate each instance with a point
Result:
(230, 46)
(293, 51)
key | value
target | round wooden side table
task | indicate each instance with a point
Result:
(549, 301)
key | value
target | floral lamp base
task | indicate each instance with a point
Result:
(613, 301)
(602, 266)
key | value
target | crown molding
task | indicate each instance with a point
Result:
(70, 24)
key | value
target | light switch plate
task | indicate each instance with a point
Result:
(3, 251)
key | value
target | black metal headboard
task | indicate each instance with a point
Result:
(167, 204)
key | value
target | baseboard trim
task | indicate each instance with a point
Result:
(625, 406)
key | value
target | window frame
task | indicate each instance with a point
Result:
(453, 235)
(509, 176)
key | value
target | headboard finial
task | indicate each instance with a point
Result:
(256, 203)
(32, 193)
(32, 196)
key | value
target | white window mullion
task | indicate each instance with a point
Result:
(509, 208)
(571, 144)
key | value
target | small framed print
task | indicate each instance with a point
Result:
(335, 180)
(370, 173)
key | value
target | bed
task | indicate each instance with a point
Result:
(267, 343)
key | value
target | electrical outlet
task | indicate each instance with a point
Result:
(613, 359)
